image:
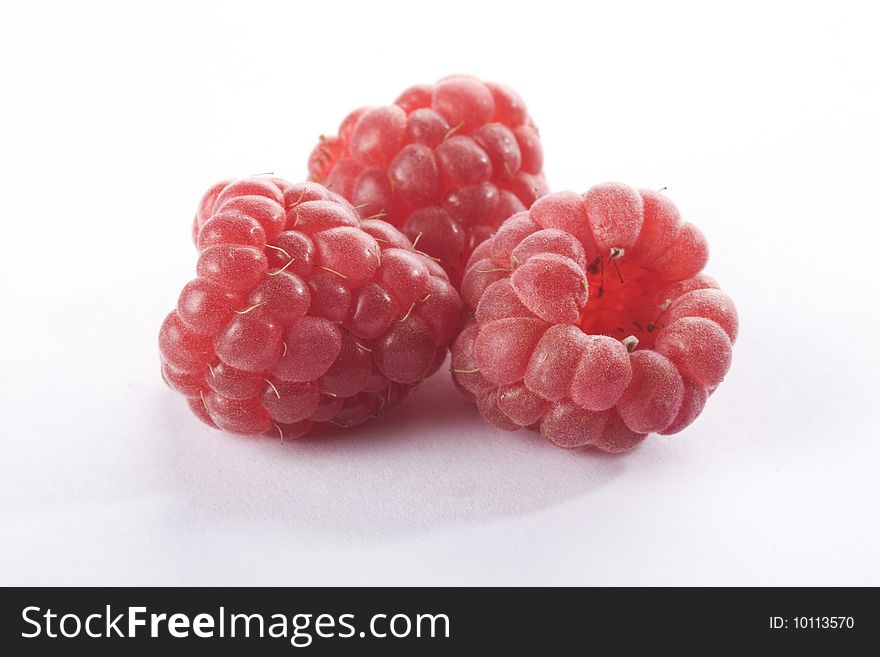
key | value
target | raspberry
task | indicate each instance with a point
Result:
(592, 321)
(302, 313)
(445, 163)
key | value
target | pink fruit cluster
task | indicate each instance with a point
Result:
(589, 318)
(592, 322)
(445, 163)
(301, 312)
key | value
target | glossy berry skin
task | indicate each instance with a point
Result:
(302, 313)
(446, 163)
(592, 322)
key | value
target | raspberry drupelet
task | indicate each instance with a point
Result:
(592, 320)
(301, 312)
(446, 163)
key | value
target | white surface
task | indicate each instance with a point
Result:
(761, 120)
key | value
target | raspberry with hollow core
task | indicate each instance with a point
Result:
(302, 313)
(592, 322)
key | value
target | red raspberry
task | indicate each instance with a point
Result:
(446, 164)
(592, 320)
(301, 312)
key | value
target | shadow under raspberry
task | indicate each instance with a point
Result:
(429, 464)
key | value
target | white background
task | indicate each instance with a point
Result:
(762, 120)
